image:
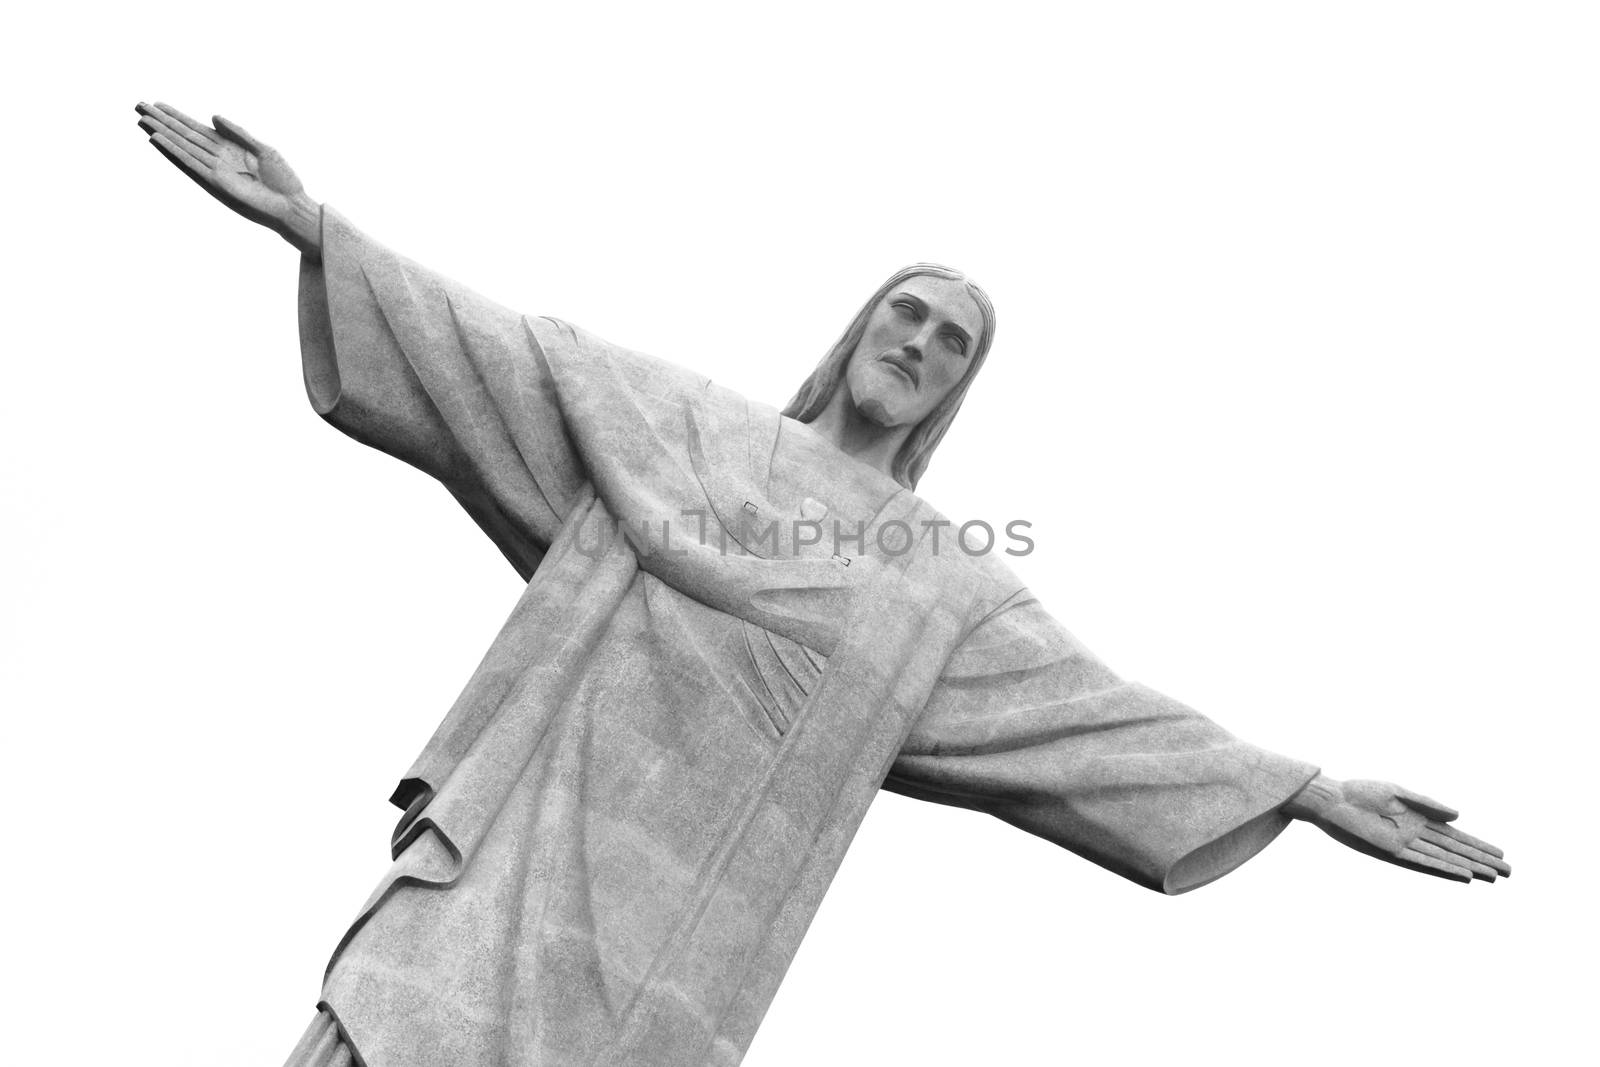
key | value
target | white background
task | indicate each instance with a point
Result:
(1295, 377)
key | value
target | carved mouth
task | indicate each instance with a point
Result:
(904, 366)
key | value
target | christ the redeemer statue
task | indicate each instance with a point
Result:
(614, 842)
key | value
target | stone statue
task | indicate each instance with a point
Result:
(615, 840)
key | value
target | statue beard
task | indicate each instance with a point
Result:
(874, 408)
(876, 412)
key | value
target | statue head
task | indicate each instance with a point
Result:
(907, 358)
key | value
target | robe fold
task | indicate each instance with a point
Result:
(616, 838)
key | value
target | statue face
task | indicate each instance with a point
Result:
(915, 350)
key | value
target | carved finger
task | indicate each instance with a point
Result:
(181, 154)
(149, 116)
(155, 122)
(1467, 839)
(1461, 848)
(1479, 870)
(1427, 805)
(197, 133)
(237, 134)
(179, 132)
(1428, 865)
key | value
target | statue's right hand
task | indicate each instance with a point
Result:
(250, 177)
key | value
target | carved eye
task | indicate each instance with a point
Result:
(955, 342)
(905, 308)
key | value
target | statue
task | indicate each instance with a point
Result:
(739, 625)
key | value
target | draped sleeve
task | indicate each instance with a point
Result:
(421, 368)
(1027, 725)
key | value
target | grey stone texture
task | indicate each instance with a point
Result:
(624, 825)
(615, 840)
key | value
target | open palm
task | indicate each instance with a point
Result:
(250, 177)
(1408, 829)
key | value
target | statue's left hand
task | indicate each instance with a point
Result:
(1398, 826)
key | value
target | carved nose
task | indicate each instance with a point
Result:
(913, 351)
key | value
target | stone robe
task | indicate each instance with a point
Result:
(615, 840)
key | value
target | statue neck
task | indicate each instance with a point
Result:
(843, 425)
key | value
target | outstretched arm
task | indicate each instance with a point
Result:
(399, 358)
(1397, 825)
(1027, 725)
(248, 176)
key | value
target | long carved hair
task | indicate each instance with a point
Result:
(817, 390)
